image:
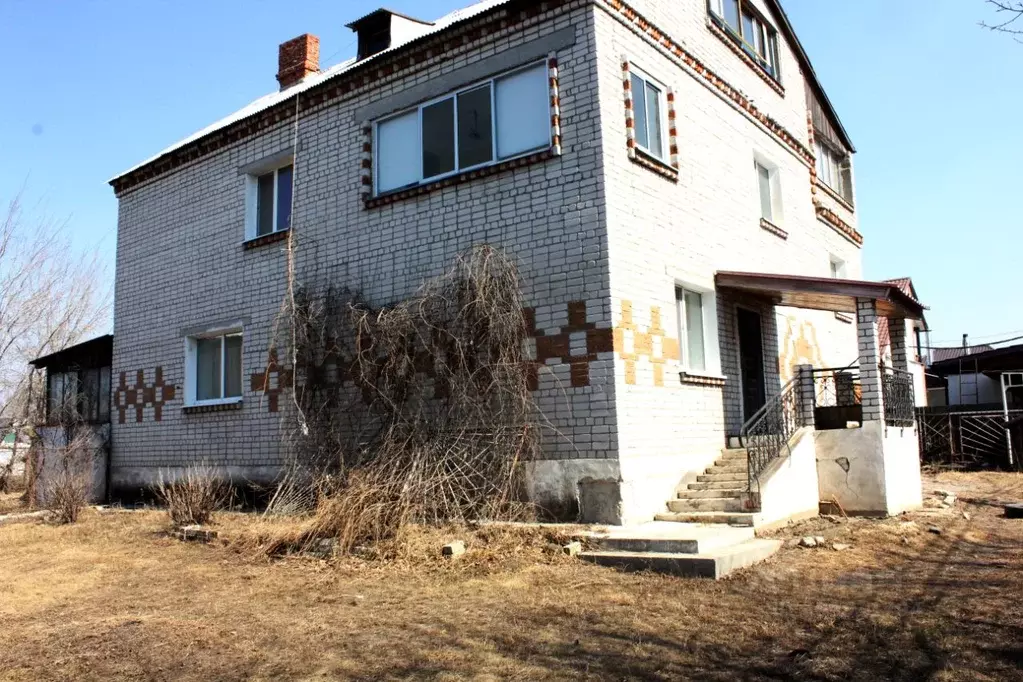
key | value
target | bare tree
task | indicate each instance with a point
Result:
(52, 295)
(1009, 14)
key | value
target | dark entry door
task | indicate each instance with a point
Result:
(751, 362)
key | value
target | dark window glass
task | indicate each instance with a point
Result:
(475, 128)
(207, 371)
(265, 205)
(732, 13)
(232, 366)
(439, 138)
(284, 198)
(653, 111)
(104, 394)
(90, 395)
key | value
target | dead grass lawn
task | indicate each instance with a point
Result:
(114, 598)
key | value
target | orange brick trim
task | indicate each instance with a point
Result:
(833, 194)
(558, 346)
(272, 381)
(637, 155)
(830, 218)
(750, 62)
(640, 157)
(142, 395)
(372, 75)
(272, 238)
(555, 92)
(633, 343)
(638, 24)
(773, 229)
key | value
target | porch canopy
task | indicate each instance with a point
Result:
(824, 293)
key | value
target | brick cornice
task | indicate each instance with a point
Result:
(638, 24)
(373, 74)
(832, 220)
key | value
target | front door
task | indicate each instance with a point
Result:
(751, 362)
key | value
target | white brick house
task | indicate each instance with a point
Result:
(636, 156)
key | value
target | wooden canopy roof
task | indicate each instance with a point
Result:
(824, 293)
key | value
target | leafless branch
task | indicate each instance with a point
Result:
(1008, 14)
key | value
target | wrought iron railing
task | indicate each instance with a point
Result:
(767, 433)
(897, 394)
(837, 397)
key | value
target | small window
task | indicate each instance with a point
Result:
(692, 335)
(834, 169)
(648, 105)
(837, 268)
(215, 364)
(750, 30)
(79, 394)
(482, 124)
(769, 190)
(273, 201)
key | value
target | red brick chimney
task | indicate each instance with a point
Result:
(298, 58)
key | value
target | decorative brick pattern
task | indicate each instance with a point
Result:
(576, 344)
(830, 218)
(366, 161)
(633, 343)
(672, 130)
(552, 72)
(630, 111)
(641, 26)
(142, 395)
(668, 170)
(773, 229)
(272, 381)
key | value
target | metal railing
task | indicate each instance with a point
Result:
(837, 397)
(897, 394)
(767, 433)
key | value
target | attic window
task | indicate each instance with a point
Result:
(834, 169)
(744, 24)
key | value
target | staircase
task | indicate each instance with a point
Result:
(718, 495)
(706, 532)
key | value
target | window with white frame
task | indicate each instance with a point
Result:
(269, 199)
(484, 123)
(214, 369)
(837, 268)
(692, 331)
(649, 109)
(750, 30)
(769, 191)
(834, 169)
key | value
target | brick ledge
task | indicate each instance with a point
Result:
(701, 379)
(834, 195)
(641, 158)
(750, 62)
(460, 178)
(832, 220)
(271, 238)
(773, 229)
(219, 407)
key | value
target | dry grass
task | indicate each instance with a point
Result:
(194, 496)
(113, 598)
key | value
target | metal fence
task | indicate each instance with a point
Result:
(899, 401)
(965, 439)
(837, 398)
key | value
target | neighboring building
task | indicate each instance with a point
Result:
(76, 410)
(975, 377)
(654, 167)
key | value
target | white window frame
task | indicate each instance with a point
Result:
(453, 95)
(662, 108)
(774, 183)
(768, 35)
(192, 359)
(711, 350)
(836, 267)
(252, 198)
(830, 169)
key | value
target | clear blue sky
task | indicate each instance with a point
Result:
(931, 100)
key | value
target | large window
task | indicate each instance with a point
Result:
(273, 201)
(692, 336)
(834, 169)
(479, 125)
(750, 30)
(649, 107)
(78, 394)
(215, 368)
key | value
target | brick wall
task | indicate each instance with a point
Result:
(181, 264)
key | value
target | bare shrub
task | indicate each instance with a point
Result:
(192, 498)
(422, 410)
(68, 486)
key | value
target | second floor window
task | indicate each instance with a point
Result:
(834, 169)
(482, 124)
(769, 188)
(692, 338)
(273, 201)
(750, 30)
(648, 108)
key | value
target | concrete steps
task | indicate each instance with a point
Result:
(727, 518)
(711, 492)
(718, 485)
(715, 504)
(719, 478)
(715, 563)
